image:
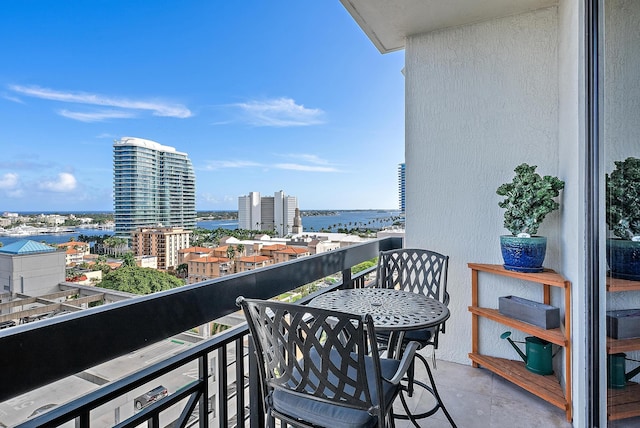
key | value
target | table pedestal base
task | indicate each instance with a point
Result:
(412, 383)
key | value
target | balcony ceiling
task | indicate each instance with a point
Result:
(387, 23)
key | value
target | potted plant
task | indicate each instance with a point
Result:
(528, 199)
(623, 218)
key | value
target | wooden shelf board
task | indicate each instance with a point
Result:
(623, 403)
(617, 284)
(622, 345)
(546, 387)
(554, 335)
(548, 276)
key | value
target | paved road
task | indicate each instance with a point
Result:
(18, 409)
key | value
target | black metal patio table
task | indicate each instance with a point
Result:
(397, 312)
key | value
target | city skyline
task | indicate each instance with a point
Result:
(261, 96)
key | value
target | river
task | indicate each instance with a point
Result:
(375, 219)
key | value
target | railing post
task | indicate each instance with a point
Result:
(203, 411)
(347, 280)
(256, 410)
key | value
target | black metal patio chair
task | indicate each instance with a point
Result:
(321, 368)
(417, 271)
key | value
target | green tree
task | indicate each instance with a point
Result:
(231, 252)
(364, 266)
(128, 260)
(182, 271)
(133, 279)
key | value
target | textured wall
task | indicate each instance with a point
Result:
(480, 99)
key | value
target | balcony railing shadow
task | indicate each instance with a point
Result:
(36, 355)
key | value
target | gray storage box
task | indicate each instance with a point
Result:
(623, 324)
(535, 313)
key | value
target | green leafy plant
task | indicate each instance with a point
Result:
(528, 199)
(623, 199)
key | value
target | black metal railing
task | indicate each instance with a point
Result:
(35, 355)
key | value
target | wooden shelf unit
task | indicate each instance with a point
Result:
(624, 402)
(546, 387)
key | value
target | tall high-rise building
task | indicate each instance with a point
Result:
(153, 185)
(275, 212)
(401, 185)
(249, 212)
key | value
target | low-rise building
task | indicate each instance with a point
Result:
(290, 253)
(187, 254)
(147, 261)
(75, 252)
(204, 268)
(247, 263)
(32, 268)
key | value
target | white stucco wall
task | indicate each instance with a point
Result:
(480, 99)
(33, 274)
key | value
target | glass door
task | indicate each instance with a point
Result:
(619, 96)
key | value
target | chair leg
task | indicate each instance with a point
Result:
(433, 358)
(432, 389)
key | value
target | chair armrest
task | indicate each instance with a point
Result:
(405, 362)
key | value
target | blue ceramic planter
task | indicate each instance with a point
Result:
(523, 254)
(623, 257)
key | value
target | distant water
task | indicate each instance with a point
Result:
(342, 219)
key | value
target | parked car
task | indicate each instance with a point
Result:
(150, 397)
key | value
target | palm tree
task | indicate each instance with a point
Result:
(231, 252)
(240, 248)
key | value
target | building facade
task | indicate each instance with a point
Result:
(31, 268)
(249, 212)
(164, 242)
(274, 213)
(153, 185)
(401, 186)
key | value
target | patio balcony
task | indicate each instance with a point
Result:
(139, 344)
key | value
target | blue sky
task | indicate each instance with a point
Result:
(263, 96)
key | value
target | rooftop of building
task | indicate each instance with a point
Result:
(26, 246)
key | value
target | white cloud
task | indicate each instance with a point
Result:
(97, 116)
(213, 165)
(65, 182)
(14, 99)
(308, 158)
(8, 181)
(158, 108)
(310, 168)
(280, 112)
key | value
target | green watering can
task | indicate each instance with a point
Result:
(617, 377)
(538, 358)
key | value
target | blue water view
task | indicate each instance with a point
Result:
(374, 219)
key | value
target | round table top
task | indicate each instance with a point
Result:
(390, 309)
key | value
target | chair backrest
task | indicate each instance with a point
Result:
(314, 353)
(414, 270)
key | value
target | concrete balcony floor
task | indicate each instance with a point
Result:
(475, 397)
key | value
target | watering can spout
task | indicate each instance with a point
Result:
(506, 335)
(632, 373)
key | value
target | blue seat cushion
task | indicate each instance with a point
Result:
(422, 336)
(330, 415)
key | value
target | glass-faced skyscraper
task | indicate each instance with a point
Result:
(401, 185)
(153, 185)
